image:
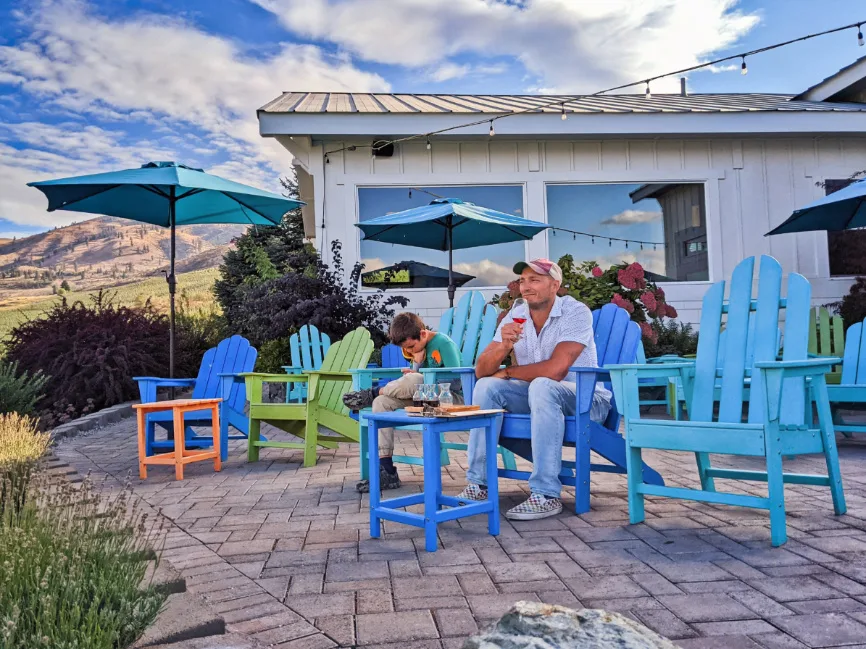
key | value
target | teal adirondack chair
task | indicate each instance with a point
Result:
(852, 385)
(218, 376)
(307, 350)
(471, 325)
(780, 399)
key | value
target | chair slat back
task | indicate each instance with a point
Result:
(232, 355)
(392, 356)
(308, 347)
(471, 325)
(352, 352)
(610, 326)
(854, 360)
(751, 336)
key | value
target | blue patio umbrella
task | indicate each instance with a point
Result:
(842, 210)
(449, 224)
(166, 194)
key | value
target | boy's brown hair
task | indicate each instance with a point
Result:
(405, 326)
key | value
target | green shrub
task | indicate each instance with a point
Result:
(19, 392)
(852, 307)
(73, 565)
(273, 354)
(21, 446)
(671, 337)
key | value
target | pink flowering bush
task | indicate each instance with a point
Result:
(623, 284)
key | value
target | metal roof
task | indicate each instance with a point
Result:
(379, 103)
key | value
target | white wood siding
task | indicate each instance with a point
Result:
(751, 185)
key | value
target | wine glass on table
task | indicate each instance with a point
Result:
(520, 311)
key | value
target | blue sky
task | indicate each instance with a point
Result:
(89, 85)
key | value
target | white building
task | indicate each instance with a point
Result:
(698, 179)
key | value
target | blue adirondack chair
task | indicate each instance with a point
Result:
(654, 383)
(471, 325)
(616, 339)
(217, 377)
(780, 399)
(307, 350)
(852, 385)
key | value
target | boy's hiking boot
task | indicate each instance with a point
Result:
(386, 481)
(358, 400)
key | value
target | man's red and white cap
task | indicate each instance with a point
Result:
(540, 266)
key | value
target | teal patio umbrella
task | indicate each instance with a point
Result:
(449, 224)
(841, 210)
(166, 194)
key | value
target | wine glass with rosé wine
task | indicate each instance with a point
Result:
(519, 312)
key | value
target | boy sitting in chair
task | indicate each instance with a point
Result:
(424, 348)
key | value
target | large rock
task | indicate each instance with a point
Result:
(530, 625)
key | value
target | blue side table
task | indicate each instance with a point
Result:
(432, 498)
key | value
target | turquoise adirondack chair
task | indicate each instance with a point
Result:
(852, 385)
(307, 350)
(471, 325)
(616, 340)
(780, 399)
(217, 377)
(654, 383)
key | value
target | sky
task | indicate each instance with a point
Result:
(96, 85)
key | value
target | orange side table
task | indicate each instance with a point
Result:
(179, 456)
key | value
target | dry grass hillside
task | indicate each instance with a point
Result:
(102, 252)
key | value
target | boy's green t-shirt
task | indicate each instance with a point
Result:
(441, 352)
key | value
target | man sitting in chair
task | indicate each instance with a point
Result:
(557, 336)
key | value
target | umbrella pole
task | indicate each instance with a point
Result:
(451, 287)
(172, 286)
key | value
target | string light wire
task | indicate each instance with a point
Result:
(562, 101)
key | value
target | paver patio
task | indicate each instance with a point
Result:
(284, 554)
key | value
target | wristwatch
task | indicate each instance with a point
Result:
(508, 373)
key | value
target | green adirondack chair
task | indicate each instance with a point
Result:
(781, 397)
(827, 338)
(324, 404)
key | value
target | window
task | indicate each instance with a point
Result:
(846, 248)
(661, 225)
(483, 266)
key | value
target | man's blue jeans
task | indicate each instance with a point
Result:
(548, 402)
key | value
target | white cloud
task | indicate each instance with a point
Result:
(486, 272)
(373, 264)
(570, 46)
(630, 217)
(448, 71)
(651, 260)
(157, 70)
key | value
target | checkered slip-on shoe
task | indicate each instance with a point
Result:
(535, 507)
(473, 493)
(358, 400)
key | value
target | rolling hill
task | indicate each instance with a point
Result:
(103, 252)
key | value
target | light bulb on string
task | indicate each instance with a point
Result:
(429, 146)
(327, 160)
(743, 68)
(574, 237)
(610, 243)
(492, 132)
(593, 241)
(563, 116)
(410, 193)
(654, 247)
(641, 245)
(648, 94)
(860, 40)
(626, 245)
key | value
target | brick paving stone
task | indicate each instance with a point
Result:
(655, 584)
(262, 610)
(605, 588)
(416, 603)
(395, 627)
(357, 571)
(311, 606)
(740, 627)
(340, 628)
(363, 584)
(714, 607)
(245, 547)
(455, 622)
(425, 586)
(665, 623)
(726, 586)
(520, 572)
(835, 605)
(789, 589)
(266, 622)
(778, 640)
(374, 601)
(404, 568)
(625, 605)
(486, 607)
(822, 629)
(719, 642)
(285, 633)
(317, 641)
(476, 584)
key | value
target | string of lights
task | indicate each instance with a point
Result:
(562, 101)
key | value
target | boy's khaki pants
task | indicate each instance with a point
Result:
(396, 395)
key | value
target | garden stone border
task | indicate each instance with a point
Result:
(98, 419)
